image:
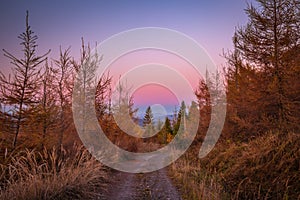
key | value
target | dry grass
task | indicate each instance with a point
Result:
(194, 181)
(267, 167)
(51, 175)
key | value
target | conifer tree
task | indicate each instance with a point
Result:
(148, 118)
(165, 131)
(148, 121)
(181, 117)
(20, 89)
(62, 72)
(273, 32)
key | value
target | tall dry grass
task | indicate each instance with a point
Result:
(194, 181)
(53, 174)
(267, 167)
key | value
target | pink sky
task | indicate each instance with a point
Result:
(173, 75)
(210, 23)
(154, 94)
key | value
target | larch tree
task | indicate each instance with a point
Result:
(63, 71)
(43, 118)
(273, 31)
(20, 89)
(193, 118)
(102, 96)
(123, 107)
(204, 103)
(47, 113)
(179, 125)
(87, 66)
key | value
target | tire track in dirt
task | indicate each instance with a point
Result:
(149, 186)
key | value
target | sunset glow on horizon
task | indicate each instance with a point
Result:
(137, 66)
(150, 94)
(65, 23)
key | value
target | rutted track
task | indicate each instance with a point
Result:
(154, 185)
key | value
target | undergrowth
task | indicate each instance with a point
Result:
(51, 174)
(267, 167)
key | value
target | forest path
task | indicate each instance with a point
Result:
(143, 186)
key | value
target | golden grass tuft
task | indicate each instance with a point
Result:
(51, 175)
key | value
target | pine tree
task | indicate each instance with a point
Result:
(148, 121)
(167, 126)
(165, 132)
(20, 90)
(148, 118)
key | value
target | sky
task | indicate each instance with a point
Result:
(62, 23)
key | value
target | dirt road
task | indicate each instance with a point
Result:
(154, 185)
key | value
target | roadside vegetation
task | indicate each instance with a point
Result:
(49, 174)
(257, 155)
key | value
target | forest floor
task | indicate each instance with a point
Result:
(142, 186)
